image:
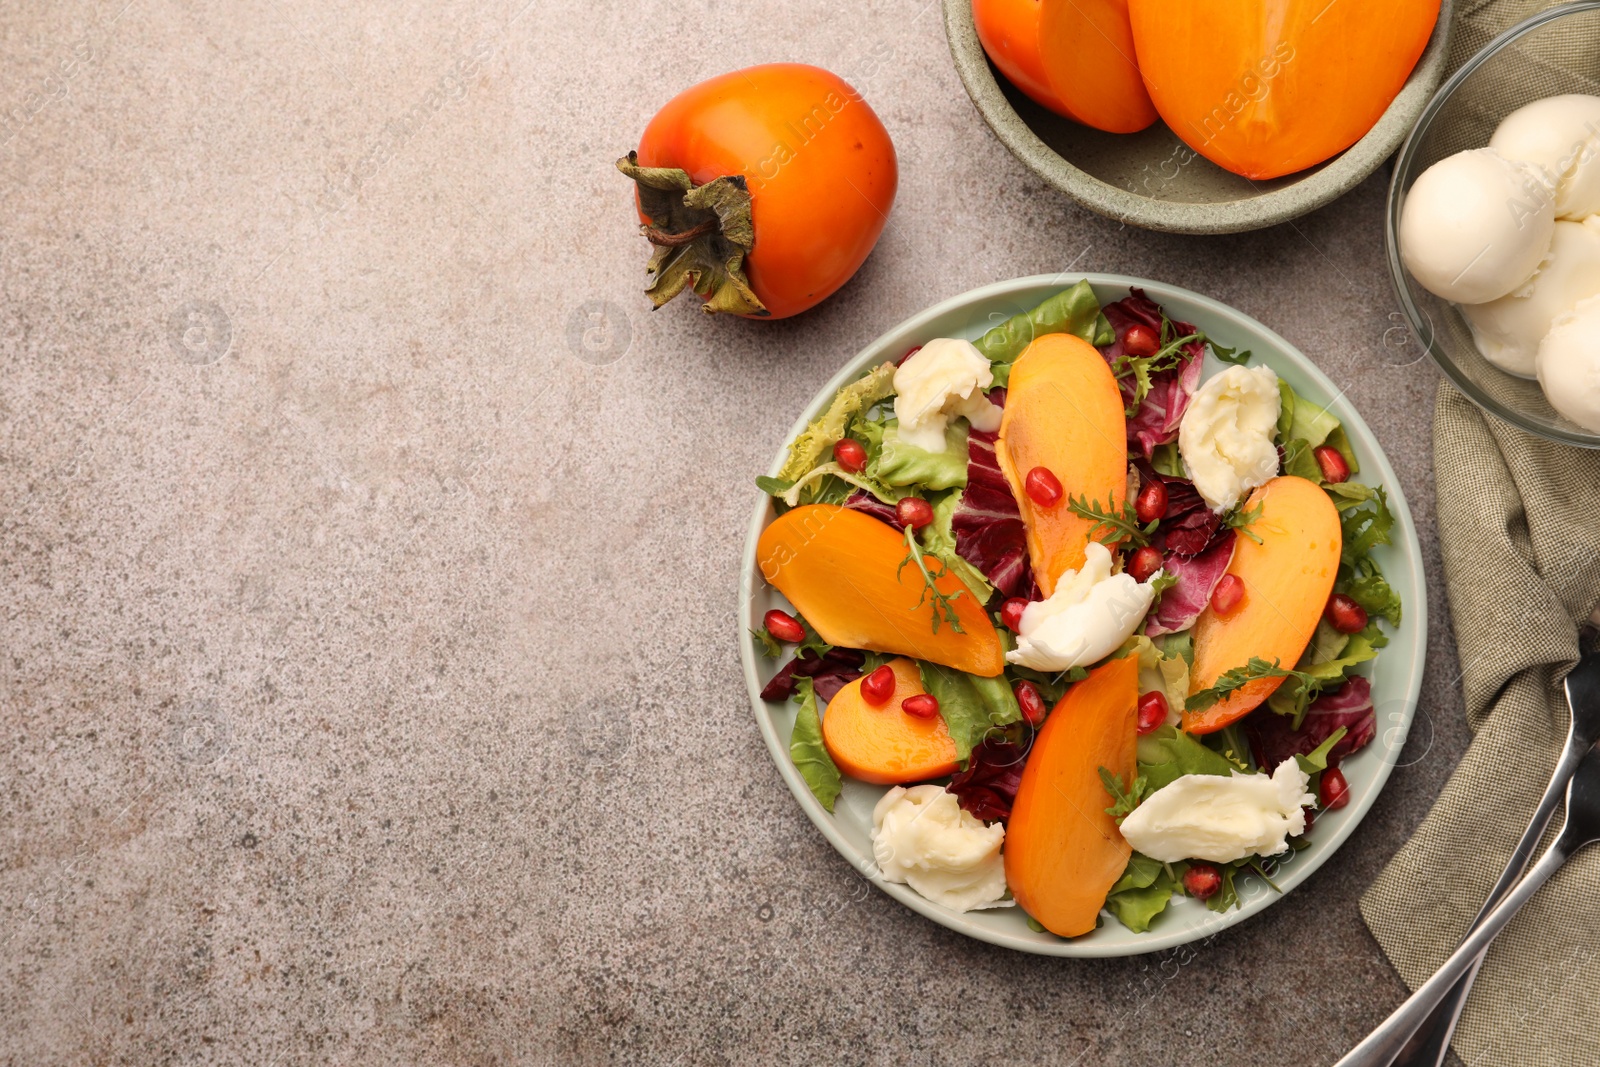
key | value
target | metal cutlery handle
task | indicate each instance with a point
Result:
(1435, 1031)
(1427, 1047)
(1384, 1043)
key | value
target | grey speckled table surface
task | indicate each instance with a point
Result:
(367, 643)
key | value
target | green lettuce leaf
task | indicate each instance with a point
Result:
(939, 538)
(819, 475)
(902, 464)
(1142, 893)
(1167, 754)
(1075, 311)
(1316, 761)
(970, 705)
(825, 432)
(1300, 461)
(1368, 587)
(1367, 526)
(810, 755)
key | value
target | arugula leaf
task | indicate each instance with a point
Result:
(1228, 895)
(1229, 355)
(1142, 893)
(1123, 800)
(1075, 311)
(1347, 495)
(1239, 677)
(825, 431)
(773, 486)
(969, 705)
(770, 647)
(1170, 355)
(1229, 742)
(943, 607)
(1162, 582)
(1240, 519)
(1367, 526)
(810, 755)
(1316, 761)
(1167, 754)
(902, 464)
(1327, 660)
(1110, 527)
(1369, 588)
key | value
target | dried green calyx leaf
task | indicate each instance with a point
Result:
(700, 234)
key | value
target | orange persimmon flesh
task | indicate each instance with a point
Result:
(1088, 55)
(1063, 412)
(1265, 88)
(842, 570)
(884, 744)
(1287, 579)
(1009, 33)
(1063, 852)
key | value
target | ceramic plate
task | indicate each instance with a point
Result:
(1396, 674)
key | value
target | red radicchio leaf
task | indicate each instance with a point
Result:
(988, 526)
(1156, 421)
(1273, 738)
(829, 673)
(866, 503)
(988, 787)
(1197, 576)
(1188, 525)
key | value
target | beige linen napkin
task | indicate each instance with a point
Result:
(1519, 524)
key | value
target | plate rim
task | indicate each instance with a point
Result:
(1394, 737)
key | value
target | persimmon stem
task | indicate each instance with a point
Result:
(664, 239)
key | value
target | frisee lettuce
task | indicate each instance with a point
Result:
(824, 432)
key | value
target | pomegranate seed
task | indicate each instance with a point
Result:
(1011, 613)
(1202, 881)
(923, 705)
(911, 352)
(1334, 468)
(1226, 596)
(878, 687)
(784, 627)
(1311, 817)
(1334, 792)
(913, 511)
(1031, 701)
(1151, 503)
(1152, 712)
(1141, 341)
(1043, 487)
(1344, 614)
(1144, 562)
(850, 455)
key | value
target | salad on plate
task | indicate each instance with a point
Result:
(1098, 627)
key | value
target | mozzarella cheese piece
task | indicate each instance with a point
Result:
(1508, 331)
(1561, 136)
(1475, 226)
(1226, 437)
(1209, 817)
(921, 837)
(943, 379)
(1091, 613)
(1569, 365)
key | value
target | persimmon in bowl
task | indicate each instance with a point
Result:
(1190, 118)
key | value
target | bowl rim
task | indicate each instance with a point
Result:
(1391, 232)
(1336, 177)
(1387, 745)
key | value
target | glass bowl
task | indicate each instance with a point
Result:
(1553, 52)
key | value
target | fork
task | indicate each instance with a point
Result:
(1581, 827)
(1427, 1047)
